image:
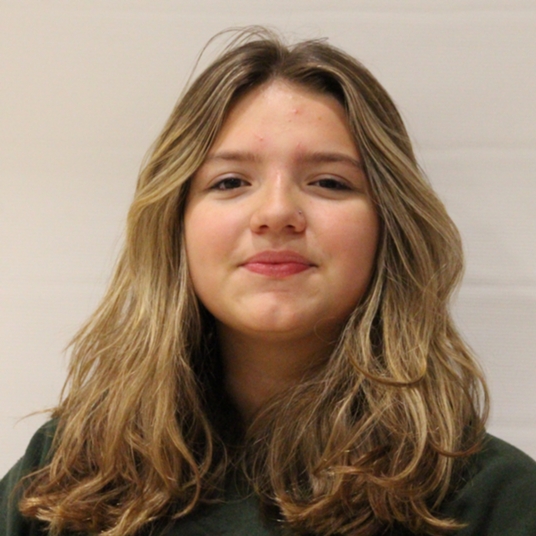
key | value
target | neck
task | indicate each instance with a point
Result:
(256, 370)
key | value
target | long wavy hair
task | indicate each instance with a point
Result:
(384, 426)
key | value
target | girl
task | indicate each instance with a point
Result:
(275, 353)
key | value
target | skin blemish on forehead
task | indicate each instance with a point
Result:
(293, 113)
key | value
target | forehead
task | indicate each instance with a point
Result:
(283, 110)
(288, 95)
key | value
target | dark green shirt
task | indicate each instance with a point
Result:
(498, 498)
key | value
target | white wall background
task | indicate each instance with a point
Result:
(87, 84)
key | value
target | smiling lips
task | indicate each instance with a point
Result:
(277, 263)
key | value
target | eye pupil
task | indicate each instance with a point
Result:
(229, 183)
(332, 184)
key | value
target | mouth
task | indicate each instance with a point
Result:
(278, 263)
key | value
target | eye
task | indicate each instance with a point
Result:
(229, 183)
(331, 183)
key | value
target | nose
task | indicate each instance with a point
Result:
(277, 208)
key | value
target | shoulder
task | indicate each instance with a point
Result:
(36, 456)
(38, 451)
(497, 495)
(40, 446)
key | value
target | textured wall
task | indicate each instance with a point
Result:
(86, 85)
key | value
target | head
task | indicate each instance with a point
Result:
(418, 260)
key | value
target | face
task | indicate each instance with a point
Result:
(280, 229)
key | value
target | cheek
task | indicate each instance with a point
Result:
(210, 237)
(353, 241)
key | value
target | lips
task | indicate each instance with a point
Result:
(277, 263)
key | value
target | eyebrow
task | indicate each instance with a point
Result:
(233, 156)
(322, 157)
(317, 157)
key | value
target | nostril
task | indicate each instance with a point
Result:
(277, 218)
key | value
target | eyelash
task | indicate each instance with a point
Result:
(331, 183)
(229, 183)
(327, 183)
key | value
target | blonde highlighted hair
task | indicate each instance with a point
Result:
(384, 426)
